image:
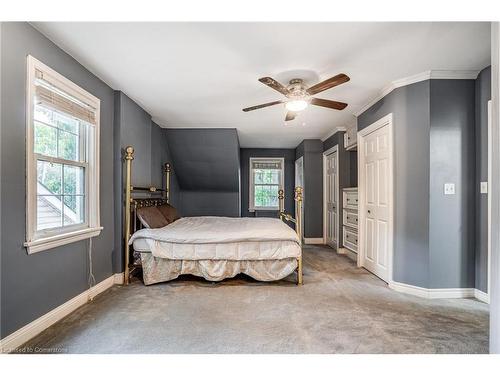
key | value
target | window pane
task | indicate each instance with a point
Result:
(68, 146)
(65, 122)
(266, 195)
(49, 176)
(43, 114)
(49, 212)
(45, 139)
(267, 176)
(74, 209)
(74, 180)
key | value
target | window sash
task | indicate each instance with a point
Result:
(88, 159)
(258, 164)
(38, 233)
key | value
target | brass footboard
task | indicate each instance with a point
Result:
(297, 221)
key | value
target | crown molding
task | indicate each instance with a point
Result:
(337, 129)
(424, 76)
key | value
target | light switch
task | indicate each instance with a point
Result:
(449, 188)
(484, 187)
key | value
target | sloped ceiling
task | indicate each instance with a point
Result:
(205, 159)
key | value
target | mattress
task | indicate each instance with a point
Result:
(219, 238)
(255, 250)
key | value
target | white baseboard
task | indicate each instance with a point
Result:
(26, 333)
(482, 296)
(313, 241)
(119, 278)
(438, 293)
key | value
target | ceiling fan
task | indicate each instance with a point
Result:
(298, 96)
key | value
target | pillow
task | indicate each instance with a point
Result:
(151, 217)
(169, 212)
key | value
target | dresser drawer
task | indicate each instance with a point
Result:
(350, 219)
(351, 199)
(350, 239)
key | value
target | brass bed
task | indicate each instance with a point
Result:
(155, 196)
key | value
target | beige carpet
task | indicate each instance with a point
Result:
(339, 309)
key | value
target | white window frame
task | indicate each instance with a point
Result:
(251, 198)
(47, 239)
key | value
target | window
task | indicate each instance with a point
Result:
(266, 178)
(62, 197)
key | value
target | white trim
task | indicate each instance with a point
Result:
(42, 240)
(439, 292)
(61, 239)
(26, 333)
(384, 121)
(481, 296)
(119, 278)
(326, 153)
(432, 293)
(337, 129)
(424, 76)
(251, 198)
(490, 161)
(314, 241)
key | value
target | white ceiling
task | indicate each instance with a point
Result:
(202, 74)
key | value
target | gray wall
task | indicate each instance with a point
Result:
(312, 151)
(452, 159)
(348, 171)
(133, 126)
(289, 156)
(483, 94)
(434, 132)
(410, 106)
(207, 167)
(32, 285)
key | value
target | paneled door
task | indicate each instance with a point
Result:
(331, 206)
(376, 202)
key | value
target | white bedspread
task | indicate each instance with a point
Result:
(210, 237)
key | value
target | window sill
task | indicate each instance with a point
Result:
(263, 209)
(47, 243)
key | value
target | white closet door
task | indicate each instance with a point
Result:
(376, 202)
(331, 203)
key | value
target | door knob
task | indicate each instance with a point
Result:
(369, 212)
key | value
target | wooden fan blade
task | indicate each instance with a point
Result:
(261, 106)
(328, 103)
(328, 84)
(290, 115)
(272, 83)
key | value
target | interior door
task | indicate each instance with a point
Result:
(376, 204)
(331, 200)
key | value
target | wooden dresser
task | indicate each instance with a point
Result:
(350, 222)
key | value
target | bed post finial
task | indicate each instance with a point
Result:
(298, 228)
(168, 169)
(129, 153)
(281, 199)
(129, 156)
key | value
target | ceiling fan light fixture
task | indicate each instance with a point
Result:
(296, 105)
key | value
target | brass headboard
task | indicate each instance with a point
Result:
(134, 203)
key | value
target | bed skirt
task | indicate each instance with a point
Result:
(156, 270)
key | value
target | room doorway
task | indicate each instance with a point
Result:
(376, 198)
(331, 197)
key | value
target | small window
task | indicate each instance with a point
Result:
(62, 160)
(266, 178)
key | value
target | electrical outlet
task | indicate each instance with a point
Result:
(449, 188)
(484, 187)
